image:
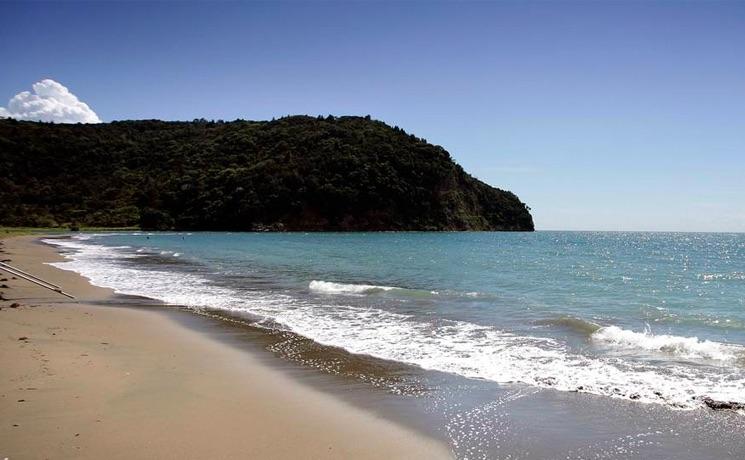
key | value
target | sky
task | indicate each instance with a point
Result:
(598, 115)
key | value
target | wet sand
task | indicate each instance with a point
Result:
(81, 380)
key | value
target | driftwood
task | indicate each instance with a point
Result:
(32, 278)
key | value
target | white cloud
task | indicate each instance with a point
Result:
(50, 101)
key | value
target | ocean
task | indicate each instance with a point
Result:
(648, 324)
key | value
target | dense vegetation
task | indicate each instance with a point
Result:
(295, 173)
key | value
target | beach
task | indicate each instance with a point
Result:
(85, 380)
(367, 345)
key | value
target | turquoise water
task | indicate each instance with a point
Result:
(648, 317)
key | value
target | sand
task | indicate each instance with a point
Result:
(79, 380)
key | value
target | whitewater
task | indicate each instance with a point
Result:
(344, 294)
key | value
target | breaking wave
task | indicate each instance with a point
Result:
(685, 347)
(457, 347)
(327, 287)
(578, 325)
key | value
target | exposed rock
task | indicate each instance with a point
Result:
(722, 405)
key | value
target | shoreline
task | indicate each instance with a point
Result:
(93, 381)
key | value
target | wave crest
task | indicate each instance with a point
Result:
(686, 347)
(457, 347)
(572, 323)
(327, 287)
(734, 276)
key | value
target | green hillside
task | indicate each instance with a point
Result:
(295, 173)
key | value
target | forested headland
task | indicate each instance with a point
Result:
(295, 173)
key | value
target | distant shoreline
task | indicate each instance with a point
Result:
(40, 231)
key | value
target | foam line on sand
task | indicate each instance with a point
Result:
(86, 381)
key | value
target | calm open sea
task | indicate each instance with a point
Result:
(654, 319)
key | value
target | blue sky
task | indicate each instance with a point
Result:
(599, 115)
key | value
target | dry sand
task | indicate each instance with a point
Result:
(85, 381)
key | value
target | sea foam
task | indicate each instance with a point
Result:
(686, 347)
(328, 287)
(457, 347)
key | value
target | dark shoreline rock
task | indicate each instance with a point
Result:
(722, 405)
